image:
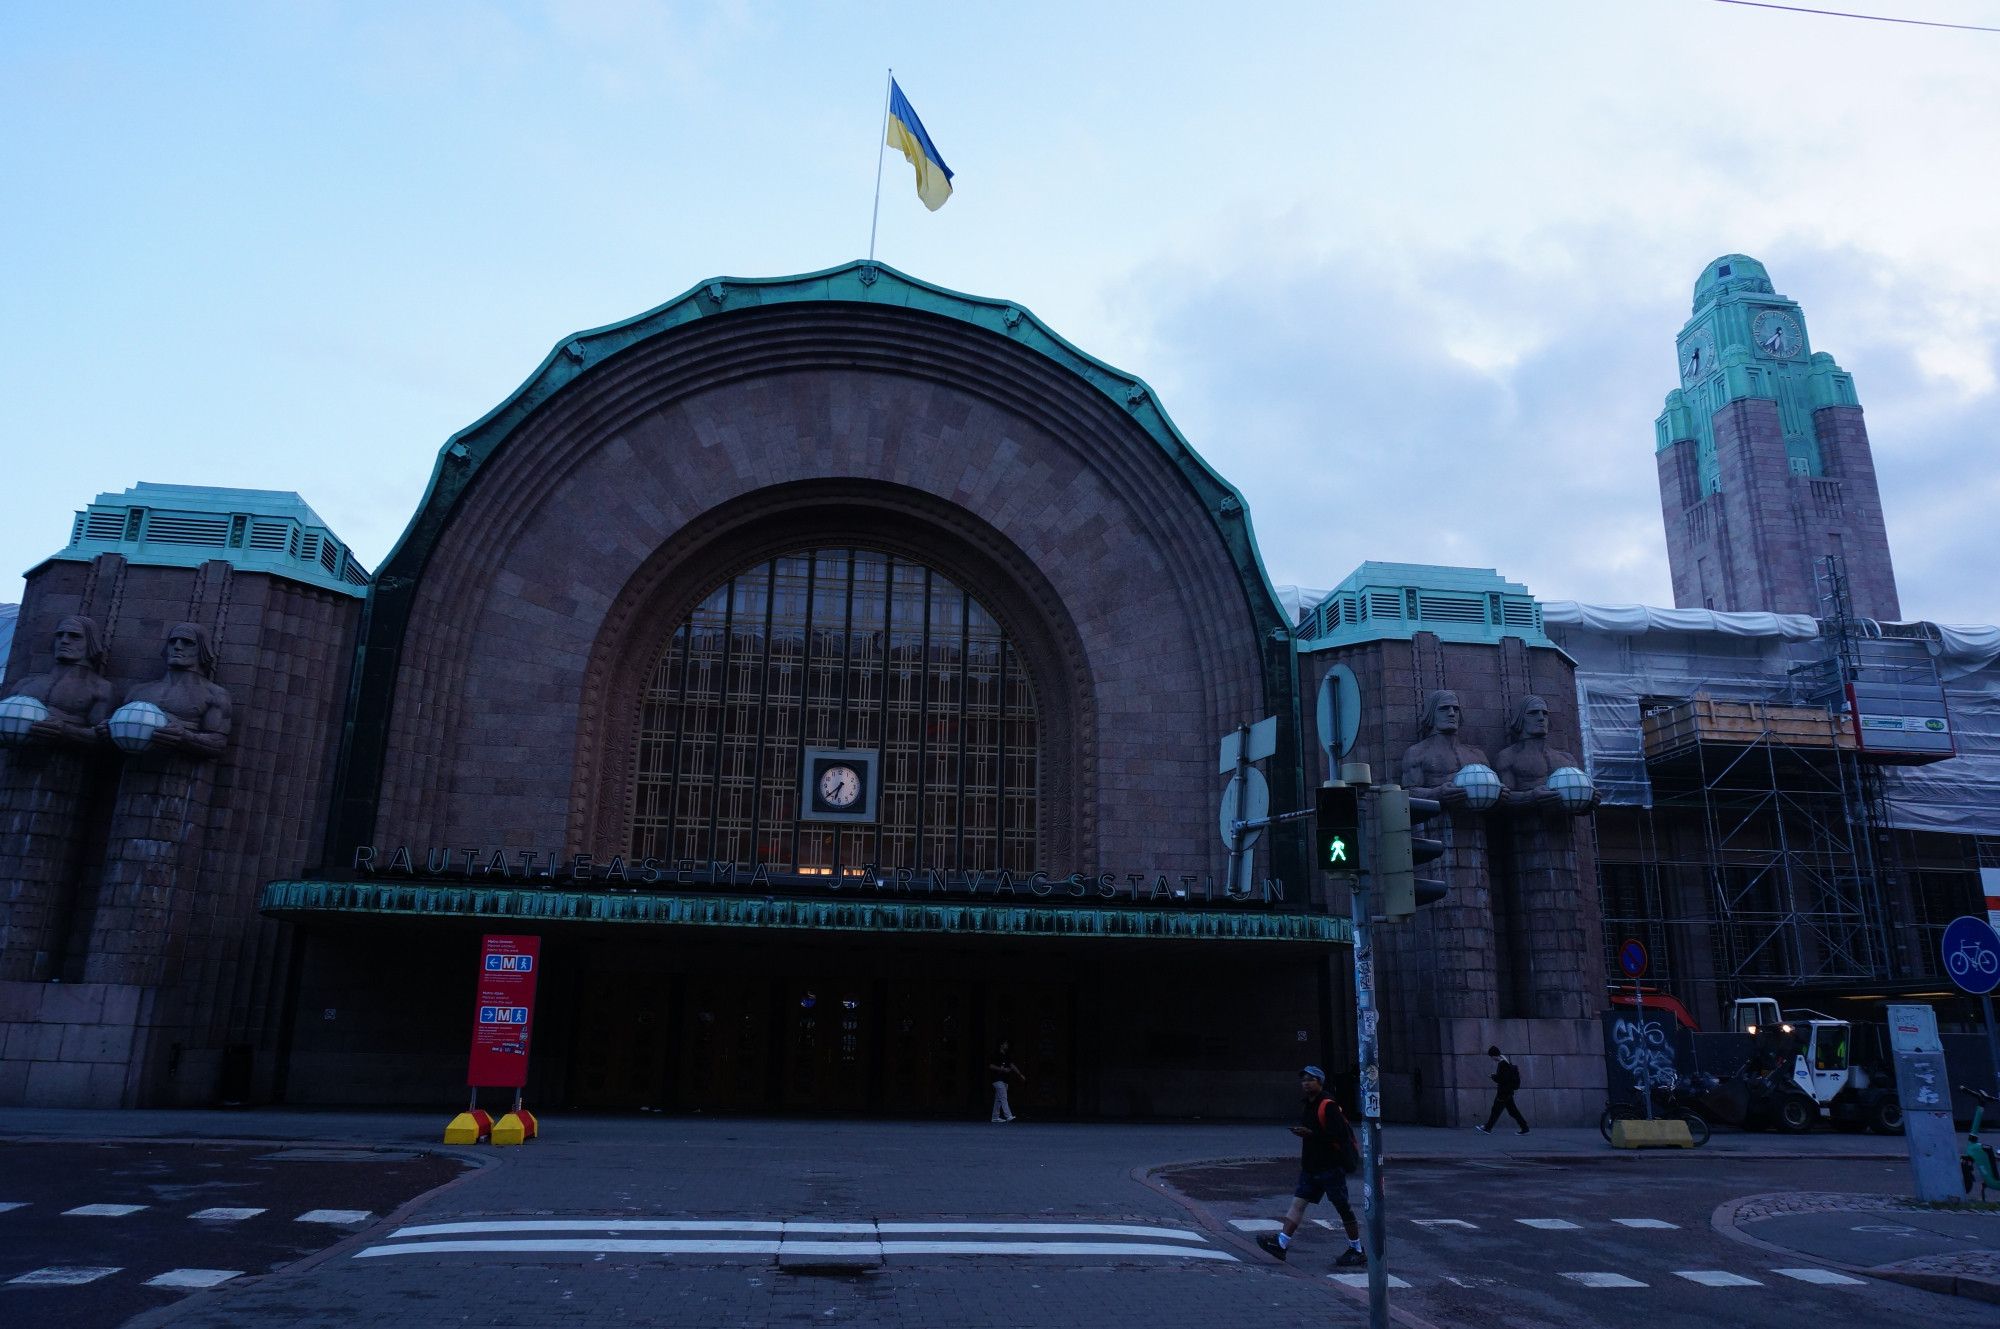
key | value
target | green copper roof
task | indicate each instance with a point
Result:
(491, 904)
(258, 530)
(1731, 272)
(1395, 601)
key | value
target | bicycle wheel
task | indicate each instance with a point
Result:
(1697, 1127)
(1615, 1112)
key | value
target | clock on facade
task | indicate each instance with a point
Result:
(1776, 334)
(837, 784)
(1697, 356)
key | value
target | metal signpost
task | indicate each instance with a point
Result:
(1923, 1089)
(1632, 959)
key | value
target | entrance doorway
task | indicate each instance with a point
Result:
(823, 1041)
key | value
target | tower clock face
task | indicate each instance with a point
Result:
(1697, 356)
(840, 786)
(1776, 335)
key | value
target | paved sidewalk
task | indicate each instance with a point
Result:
(1940, 1248)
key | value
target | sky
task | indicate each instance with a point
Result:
(1408, 274)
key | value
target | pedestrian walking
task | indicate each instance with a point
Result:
(1327, 1153)
(1506, 1079)
(1004, 1071)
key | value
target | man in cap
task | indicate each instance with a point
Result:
(1327, 1153)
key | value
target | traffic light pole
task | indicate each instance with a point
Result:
(1366, 1023)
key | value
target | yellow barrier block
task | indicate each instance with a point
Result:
(1663, 1133)
(464, 1129)
(528, 1120)
(510, 1129)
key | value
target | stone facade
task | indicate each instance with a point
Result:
(138, 970)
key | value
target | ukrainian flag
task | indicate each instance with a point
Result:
(906, 133)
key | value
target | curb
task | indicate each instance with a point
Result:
(1970, 1286)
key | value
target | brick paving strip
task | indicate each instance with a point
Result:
(1974, 1274)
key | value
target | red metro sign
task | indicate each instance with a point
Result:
(504, 1011)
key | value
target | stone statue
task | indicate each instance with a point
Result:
(197, 707)
(1437, 755)
(76, 691)
(1525, 763)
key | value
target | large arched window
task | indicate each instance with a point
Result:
(848, 648)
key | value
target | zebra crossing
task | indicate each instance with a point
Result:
(867, 1242)
(181, 1280)
(1608, 1279)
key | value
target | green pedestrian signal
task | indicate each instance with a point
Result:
(1337, 824)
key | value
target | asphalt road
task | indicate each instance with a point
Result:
(93, 1234)
(1597, 1241)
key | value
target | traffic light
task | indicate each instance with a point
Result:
(1337, 825)
(1398, 853)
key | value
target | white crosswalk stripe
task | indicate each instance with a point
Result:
(1655, 1224)
(802, 1241)
(1604, 1280)
(1549, 1224)
(1361, 1280)
(1445, 1222)
(62, 1276)
(225, 1215)
(5, 1205)
(193, 1278)
(1824, 1276)
(1716, 1278)
(102, 1210)
(335, 1216)
(1256, 1224)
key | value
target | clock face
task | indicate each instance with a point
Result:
(1697, 357)
(840, 786)
(1776, 335)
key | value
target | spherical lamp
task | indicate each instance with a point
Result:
(1481, 786)
(134, 724)
(17, 714)
(1574, 788)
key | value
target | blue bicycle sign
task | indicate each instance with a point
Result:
(1972, 955)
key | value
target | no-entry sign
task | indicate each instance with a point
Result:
(504, 1011)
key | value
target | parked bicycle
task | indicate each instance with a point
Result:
(1979, 1162)
(1679, 1100)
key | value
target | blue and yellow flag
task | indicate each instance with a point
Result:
(906, 133)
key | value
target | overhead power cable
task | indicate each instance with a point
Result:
(1872, 18)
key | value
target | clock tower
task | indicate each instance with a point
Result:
(1764, 461)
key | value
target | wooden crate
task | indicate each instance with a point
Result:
(1739, 723)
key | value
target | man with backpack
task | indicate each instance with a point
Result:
(1327, 1153)
(1506, 1079)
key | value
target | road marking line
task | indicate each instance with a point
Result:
(194, 1277)
(848, 1248)
(791, 1226)
(572, 1245)
(102, 1210)
(1550, 1224)
(1646, 1223)
(614, 1246)
(1826, 1276)
(589, 1225)
(5, 1205)
(1604, 1280)
(1715, 1278)
(1445, 1222)
(1256, 1225)
(225, 1215)
(1049, 1229)
(61, 1276)
(1361, 1280)
(1050, 1248)
(335, 1216)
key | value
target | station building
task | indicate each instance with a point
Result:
(832, 672)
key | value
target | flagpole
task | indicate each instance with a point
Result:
(881, 138)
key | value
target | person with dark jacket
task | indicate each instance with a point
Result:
(1506, 1079)
(1327, 1153)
